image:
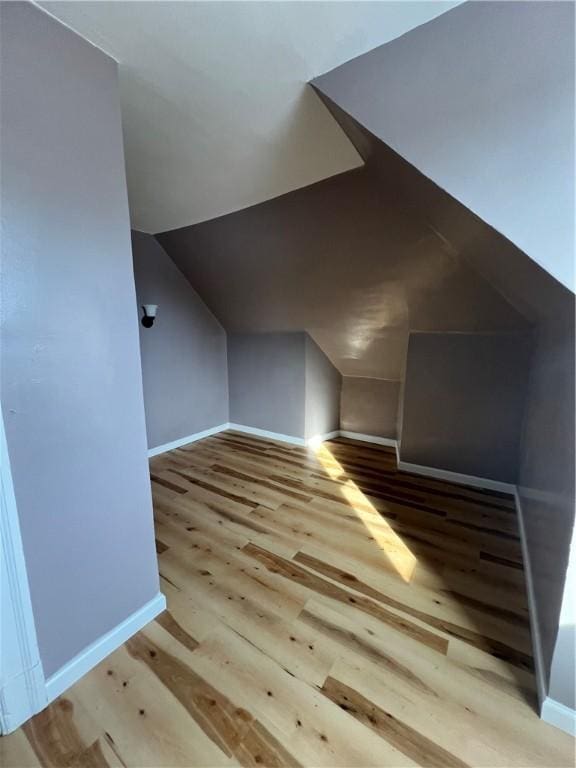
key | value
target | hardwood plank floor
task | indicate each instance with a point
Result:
(324, 610)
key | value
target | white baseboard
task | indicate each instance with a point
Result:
(457, 477)
(316, 440)
(77, 667)
(185, 440)
(559, 715)
(532, 608)
(319, 439)
(417, 469)
(389, 441)
(257, 432)
(265, 433)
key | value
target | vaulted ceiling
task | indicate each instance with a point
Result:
(481, 101)
(255, 190)
(216, 112)
(350, 261)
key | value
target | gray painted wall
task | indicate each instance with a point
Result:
(493, 82)
(547, 451)
(282, 382)
(370, 406)
(344, 261)
(546, 478)
(322, 391)
(563, 669)
(184, 360)
(266, 379)
(464, 402)
(70, 374)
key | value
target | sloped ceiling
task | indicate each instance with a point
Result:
(216, 112)
(345, 259)
(529, 288)
(481, 101)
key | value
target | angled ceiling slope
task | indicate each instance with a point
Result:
(481, 101)
(344, 259)
(532, 291)
(216, 112)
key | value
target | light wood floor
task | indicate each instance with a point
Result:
(324, 610)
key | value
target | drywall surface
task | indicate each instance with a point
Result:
(266, 379)
(70, 374)
(322, 396)
(184, 361)
(546, 458)
(347, 262)
(342, 260)
(370, 406)
(563, 672)
(493, 82)
(546, 478)
(221, 88)
(464, 400)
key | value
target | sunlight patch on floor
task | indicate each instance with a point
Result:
(384, 536)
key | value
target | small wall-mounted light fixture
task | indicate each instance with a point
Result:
(149, 314)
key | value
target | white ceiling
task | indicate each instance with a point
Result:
(216, 112)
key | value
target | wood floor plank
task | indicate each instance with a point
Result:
(61, 733)
(313, 729)
(226, 724)
(324, 609)
(17, 752)
(485, 641)
(146, 721)
(351, 636)
(323, 587)
(476, 723)
(408, 740)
